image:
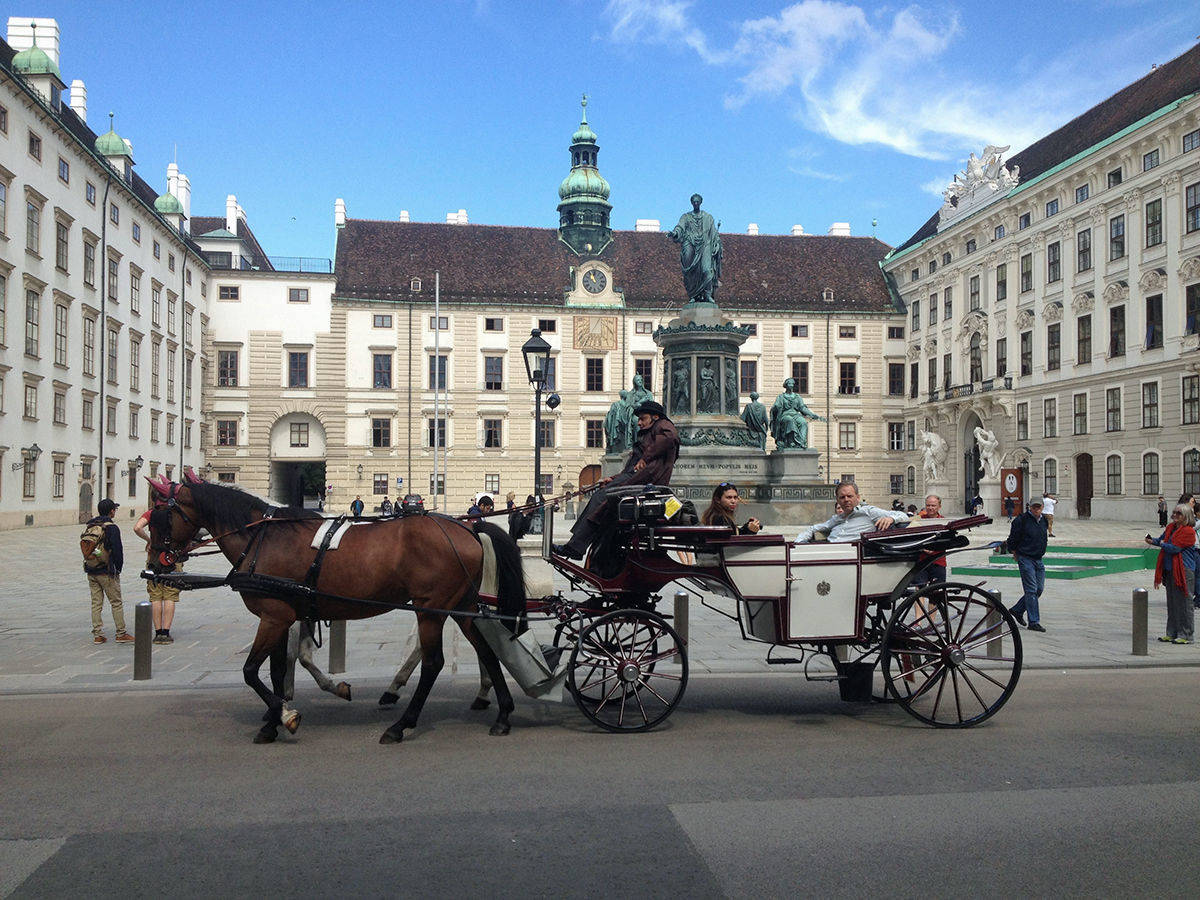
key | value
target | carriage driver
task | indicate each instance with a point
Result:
(853, 517)
(651, 462)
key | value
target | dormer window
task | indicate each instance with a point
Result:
(415, 285)
(827, 295)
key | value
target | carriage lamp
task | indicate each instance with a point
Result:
(137, 463)
(29, 455)
(537, 358)
(359, 471)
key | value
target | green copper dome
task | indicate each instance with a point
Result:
(583, 213)
(168, 204)
(110, 143)
(584, 183)
(34, 61)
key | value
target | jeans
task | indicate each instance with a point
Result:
(1033, 581)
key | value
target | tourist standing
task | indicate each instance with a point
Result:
(1048, 504)
(1162, 512)
(1176, 571)
(385, 508)
(103, 560)
(162, 597)
(1027, 544)
(356, 507)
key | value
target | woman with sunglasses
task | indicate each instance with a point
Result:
(1176, 572)
(723, 508)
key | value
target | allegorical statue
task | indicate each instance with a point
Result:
(755, 417)
(933, 455)
(638, 395)
(731, 389)
(708, 391)
(788, 419)
(989, 452)
(681, 377)
(618, 432)
(699, 253)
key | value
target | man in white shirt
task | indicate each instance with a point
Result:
(852, 518)
(1048, 504)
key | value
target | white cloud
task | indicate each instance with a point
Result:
(662, 22)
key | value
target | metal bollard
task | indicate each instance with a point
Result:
(681, 618)
(995, 646)
(1141, 622)
(143, 635)
(337, 646)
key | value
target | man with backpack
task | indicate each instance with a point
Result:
(103, 557)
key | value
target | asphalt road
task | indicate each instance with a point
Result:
(1086, 784)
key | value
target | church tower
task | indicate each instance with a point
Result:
(584, 208)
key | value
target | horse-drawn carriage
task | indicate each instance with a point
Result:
(948, 653)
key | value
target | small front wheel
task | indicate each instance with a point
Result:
(628, 670)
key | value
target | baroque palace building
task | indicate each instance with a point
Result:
(1054, 299)
(414, 345)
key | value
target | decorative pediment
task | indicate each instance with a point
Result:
(1152, 280)
(1053, 312)
(931, 347)
(1116, 292)
(1083, 302)
(914, 352)
(1190, 268)
(1024, 319)
(973, 323)
(985, 179)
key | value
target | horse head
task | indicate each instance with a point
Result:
(173, 522)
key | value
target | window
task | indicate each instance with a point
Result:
(491, 433)
(297, 295)
(381, 370)
(998, 233)
(546, 434)
(493, 324)
(435, 432)
(33, 227)
(933, 319)
(932, 376)
(61, 235)
(594, 434)
(297, 433)
(594, 374)
(932, 266)
(89, 346)
(1083, 250)
(1050, 417)
(110, 419)
(33, 319)
(60, 478)
(896, 484)
(1081, 193)
(113, 279)
(379, 484)
(35, 146)
(60, 408)
(1191, 315)
(1150, 470)
(1051, 208)
(155, 305)
(3, 120)
(89, 263)
(1022, 421)
(3, 309)
(947, 303)
(1080, 413)
(1050, 475)
(1053, 262)
(227, 432)
(1001, 357)
(1191, 141)
(437, 373)
(848, 378)
(491, 483)
(910, 434)
(645, 368)
(437, 483)
(381, 432)
(29, 480)
(60, 334)
(552, 374)
(847, 435)
(915, 274)
(297, 369)
(1027, 272)
(973, 292)
(911, 479)
(1053, 346)
(643, 327)
(3, 207)
(971, 246)
(1027, 353)
(895, 438)
(228, 292)
(87, 415)
(1190, 396)
(135, 290)
(947, 372)
(1149, 160)
(1112, 409)
(1116, 237)
(1083, 340)
(1114, 474)
(1192, 201)
(171, 375)
(113, 334)
(946, 258)
(439, 323)
(171, 433)
(799, 331)
(751, 327)
(916, 315)
(1154, 234)
(847, 332)
(89, 193)
(135, 363)
(895, 332)
(800, 375)
(546, 326)
(1150, 404)
(1191, 471)
(226, 478)
(1154, 322)
(381, 322)
(136, 230)
(896, 379)
(114, 214)
(1116, 331)
(913, 378)
(975, 358)
(749, 376)
(227, 368)
(1114, 178)
(31, 401)
(1002, 282)
(493, 373)
(1023, 221)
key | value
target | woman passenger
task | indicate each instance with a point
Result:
(723, 508)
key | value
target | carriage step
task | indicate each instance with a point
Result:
(783, 661)
(824, 677)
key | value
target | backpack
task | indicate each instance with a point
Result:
(94, 547)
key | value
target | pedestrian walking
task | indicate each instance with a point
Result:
(1048, 504)
(1027, 543)
(162, 597)
(385, 508)
(1008, 507)
(1194, 502)
(1176, 571)
(103, 558)
(356, 506)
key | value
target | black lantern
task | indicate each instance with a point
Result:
(537, 358)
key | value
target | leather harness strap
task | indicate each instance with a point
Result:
(314, 571)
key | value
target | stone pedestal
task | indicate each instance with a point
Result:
(989, 491)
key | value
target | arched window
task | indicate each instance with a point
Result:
(1191, 471)
(976, 358)
(1114, 475)
(911, 477)
(1150, 469)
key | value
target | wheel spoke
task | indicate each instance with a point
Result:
(957, 699)
(967, 682)
(982, 674)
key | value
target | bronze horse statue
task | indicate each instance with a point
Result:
(431, 562)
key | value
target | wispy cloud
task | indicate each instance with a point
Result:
(659, 22)
(802, 164)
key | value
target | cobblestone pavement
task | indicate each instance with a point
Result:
(45, 630)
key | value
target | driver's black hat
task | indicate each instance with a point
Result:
(651, 408)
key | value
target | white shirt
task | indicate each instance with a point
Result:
(845, 527)
(1048, 506)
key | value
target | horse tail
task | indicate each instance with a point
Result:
(510, 574)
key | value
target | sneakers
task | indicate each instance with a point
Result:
(1019, 616)
(166, 638)
(1166, 639)
(1036, 626)
(124, 638)
(1181, 640)
(99, 639)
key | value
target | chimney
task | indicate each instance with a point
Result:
(404, 215)
(173, 180)
(462, 217)
(20, 36)
(647, 225)
(339, 213)
(185, 199)
(840, 229)
(79, 99)
(231, 214)
(752, 228)
(797, 230)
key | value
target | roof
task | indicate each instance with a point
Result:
(377, 260)
(1164, 85)
(206, 225)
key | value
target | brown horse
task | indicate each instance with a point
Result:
(428, 561)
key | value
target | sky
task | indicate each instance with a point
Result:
(778, 113)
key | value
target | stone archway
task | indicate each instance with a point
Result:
(297, 453)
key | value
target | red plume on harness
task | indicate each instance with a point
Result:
(190, 475)
(161, 485)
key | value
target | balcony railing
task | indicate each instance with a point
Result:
(957, 391)
(315, 265)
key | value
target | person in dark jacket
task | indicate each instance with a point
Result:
(105, 580)
(652, 461)
(356, 507)
(723, 508)
(1027, 543)
(519, 522)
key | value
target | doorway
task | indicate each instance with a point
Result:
(299, 484)
(1083, 485)
(972, 466)
(85, 501)
(588, 476)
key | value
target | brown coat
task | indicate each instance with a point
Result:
(658, 445)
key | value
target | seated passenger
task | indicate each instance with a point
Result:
(723, 508)
(853, 517)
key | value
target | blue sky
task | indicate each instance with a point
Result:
(779, 114)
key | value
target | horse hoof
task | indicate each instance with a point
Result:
(480, 703)
(391, 737)
(387, 699)
(500, 728)
(266, 735)
(290, 719)
(342, 690)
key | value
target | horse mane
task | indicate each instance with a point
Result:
(229, 508)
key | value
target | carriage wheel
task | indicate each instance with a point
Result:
(622, 672)
(935, 659)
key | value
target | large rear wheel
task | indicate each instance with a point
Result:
(951, 655)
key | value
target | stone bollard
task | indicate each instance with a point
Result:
(143, 636)
(337, 646)
(681, 619)
(1141, 622)
(995, 646)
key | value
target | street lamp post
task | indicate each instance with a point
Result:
(537, 357)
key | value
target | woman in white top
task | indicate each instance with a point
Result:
(1048, 504)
